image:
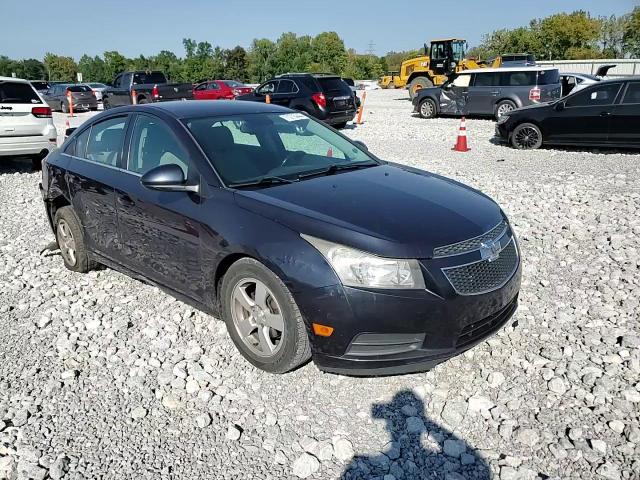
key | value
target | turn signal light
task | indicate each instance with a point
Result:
(322, 330)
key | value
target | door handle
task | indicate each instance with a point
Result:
(495, 92)
(605, 114)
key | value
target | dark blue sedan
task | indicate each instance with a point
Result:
(304, 242)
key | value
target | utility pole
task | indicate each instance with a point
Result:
(371, 48)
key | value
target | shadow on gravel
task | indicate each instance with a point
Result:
(563, 148)
(407, 456)
(15, 165)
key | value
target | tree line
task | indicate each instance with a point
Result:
(575, 35)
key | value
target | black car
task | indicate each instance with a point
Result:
(606, 113)
(325, 97)
(304, 242)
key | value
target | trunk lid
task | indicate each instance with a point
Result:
(339, 95)
(17, 99)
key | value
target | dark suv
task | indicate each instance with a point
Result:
(325, 97)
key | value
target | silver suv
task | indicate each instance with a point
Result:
(489, 91)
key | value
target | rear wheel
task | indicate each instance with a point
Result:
(340, 126)
(526, 136)
(503, 107)
(427, 108)
(418, 83)
(262, 317)
(142, 101)
(70, 239)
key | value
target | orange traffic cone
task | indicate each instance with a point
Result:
(461, 143)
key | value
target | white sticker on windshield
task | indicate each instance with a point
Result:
(293, 117)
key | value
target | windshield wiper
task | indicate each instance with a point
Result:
(337, 167)
(268, 180)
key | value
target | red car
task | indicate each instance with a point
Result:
(220, 90)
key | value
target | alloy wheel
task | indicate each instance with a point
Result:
(66, 242)
(527, 137)
(504, 108)
(426, 109)
(257, 317)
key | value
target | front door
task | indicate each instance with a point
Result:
(286, 91)
(160, 231)
(585, 118)
(454, 95)
(625, 119)
(92, 174)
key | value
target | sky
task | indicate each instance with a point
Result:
(74, 27)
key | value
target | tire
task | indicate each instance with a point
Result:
(427, 108)
(69, 234)
(105, 105)
(292, 348)
(418, 83)
(503, 107)
(142, 101)
(36, 162)
(339, 126)
(526, 136)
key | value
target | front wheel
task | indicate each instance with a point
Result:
(427, 108)
(262, 317)
(526, 136)
(418, 83)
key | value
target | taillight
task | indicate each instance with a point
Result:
(41, 112)
(320, 99)
(154, 92)
(236, 92)
(534, 94)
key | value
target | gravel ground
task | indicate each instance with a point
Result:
(102, 376)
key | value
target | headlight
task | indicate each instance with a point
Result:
(361, 269)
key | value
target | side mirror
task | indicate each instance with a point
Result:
(559, 106)
(69, 131)
(168, 178)
(361, 144)
(447, 86)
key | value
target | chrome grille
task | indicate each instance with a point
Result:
(484, 276)
(472, 243)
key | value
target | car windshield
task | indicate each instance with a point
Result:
(78, 88)
(232, 83)
(97, 85)
(288, 146)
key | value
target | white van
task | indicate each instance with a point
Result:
(26, 123)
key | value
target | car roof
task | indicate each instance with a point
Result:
(588, 76)
(509, 69)
(203, 108)
(12, 79)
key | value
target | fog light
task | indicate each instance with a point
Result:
(322, 330)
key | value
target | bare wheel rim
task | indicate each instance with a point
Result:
(504, 108)
(66, 242)
(527, 137)
(426, 109)
(257, 317)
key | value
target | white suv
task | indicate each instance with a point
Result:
(26, 124)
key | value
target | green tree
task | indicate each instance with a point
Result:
(394, 59)
(114, 63)
(631, 35)
(612, 36)
(327, 53)
(565, 34)
(235, 64)
(169, 63)
(93, 69)
(60, 68)
(260, 59)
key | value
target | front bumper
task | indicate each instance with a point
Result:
(27, 146)
(501, 132)
(394, 332)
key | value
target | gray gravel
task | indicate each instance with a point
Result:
(102, 376)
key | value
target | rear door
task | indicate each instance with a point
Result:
(92, 175)
(286, 91)
(17, 120)
(483, 92)
(625, 119)
(160, 231)
(585, 117)
(340, 97)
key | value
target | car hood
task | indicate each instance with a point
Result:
(535, 106)
(389, 210)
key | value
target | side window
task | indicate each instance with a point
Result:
(71, 148)
(116, 82)
(202, 86)
(519, 79)
(462, 81)
(153, 144)
(486, 80)
(269, 87)
(105, 141)
(287, 86)
(214, 86)
(600, 95)
(633, 93)
(81, 144)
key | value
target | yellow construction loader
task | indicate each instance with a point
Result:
(440, 60)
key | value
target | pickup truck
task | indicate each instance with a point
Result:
(149, 86)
